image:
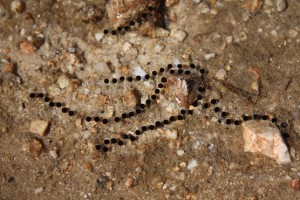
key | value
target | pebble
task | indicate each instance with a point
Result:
(221, 74)
(17, 6)
(281, 5)
(265, 138)
(138, 71)
(182, 90)
(197, 1)
(158, 48)
(34, 147)
(53, 153)
(180, 152)
(39, 127)
(229, 39)
(38, 190)
(129, 99)
(209, 56)
(171, 134)
(296, 184)
(129, 182)
(27, 47)
(192, 164)
(64, 81)
(99, 36)
(179, 35)
(102, 68)
(293, 33)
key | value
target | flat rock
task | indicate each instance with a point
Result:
(39, 127)
(264, 137)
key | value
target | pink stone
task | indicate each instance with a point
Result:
(264, 137)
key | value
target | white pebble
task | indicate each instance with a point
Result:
(53, 153)
(197, 1)
(63, 81)
(158, 48)
(274, 33)
(192, 164)
(229, 39)
(38, 190)
(180, 152)
(99, 36)
(138, 71)
(102, 68)
(171, 134)
(17, 6)
(221, 74)
(281, 5)
(209, 56)
(178, 34)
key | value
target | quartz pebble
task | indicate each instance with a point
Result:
(63, 81)
(39, 127)
(38, 190)
(17, 6)
(192, 164)
(221, 74)
(281, 5)
(264, 138)
(53, 153)
(209, 56)
(179, 35)
(171, 134)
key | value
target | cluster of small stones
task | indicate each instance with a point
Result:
(141, 19)
(224, 116)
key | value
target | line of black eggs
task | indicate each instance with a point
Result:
(211, 104)
(170, 68)
(141, 19)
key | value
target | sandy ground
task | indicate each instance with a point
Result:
(254, 48)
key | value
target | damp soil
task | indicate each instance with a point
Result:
(257, 49)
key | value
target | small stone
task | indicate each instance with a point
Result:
(209, 56)
(192, 164)
(17, 6)
(296, 184)
(180, 152)
(102, 68)
(90, 12)
(88, 167)
(99, 36)
(265, 138)
(179, 35)
(39, 127)
(171, 134)
(129, 99)
(221, 74)
(182, 89)
(53, 153)
(138, 71)
(281, 5)
(64, 81)
(35, 147)
(229, 39)
(158, 48)
(27, 47)
(38, 190)
(293, 33)
(129, 182)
